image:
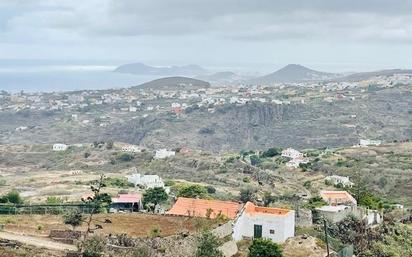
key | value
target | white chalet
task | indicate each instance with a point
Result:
(164, 153)
(336, 180)
(272, 223)
(146, 181)
(60, 147)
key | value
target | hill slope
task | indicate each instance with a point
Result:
(293, 73)
(174, 83)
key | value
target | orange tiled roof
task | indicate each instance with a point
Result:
(337, 197)
(198, 208)
(252, 209)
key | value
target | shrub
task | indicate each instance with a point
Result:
(94, 246)
(264, 247)
(12, 197)
(193, 191)
(247, 194)
(73, 219)
(210, 190)
(207, 246)
(124, 157)
(271, 152)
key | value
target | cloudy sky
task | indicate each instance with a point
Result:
(332, 35)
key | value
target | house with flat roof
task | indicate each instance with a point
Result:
(126, 203)
(204, 208)
(338, 198)
(276, 224)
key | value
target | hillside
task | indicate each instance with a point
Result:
(293, 73)
(367, 75)
(222, 78)
(174, 83)
(143, 69)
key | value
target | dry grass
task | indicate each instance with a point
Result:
(132, 224)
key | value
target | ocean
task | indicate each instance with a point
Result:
(34, 77)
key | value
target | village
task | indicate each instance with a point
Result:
(236, 212)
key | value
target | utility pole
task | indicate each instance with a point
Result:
(326, 236)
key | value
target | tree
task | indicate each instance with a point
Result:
(125, 157)
(264, 248)
(255, 160)
(154, 196)
(207, 246)
(97, 202)
(247, 194)
(73, 219)
(12, 197)
(271, 152)
(193, 191)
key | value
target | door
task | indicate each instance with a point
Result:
(257, 231)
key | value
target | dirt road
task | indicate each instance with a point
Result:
(37, 241)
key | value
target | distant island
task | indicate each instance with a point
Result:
(143, 69)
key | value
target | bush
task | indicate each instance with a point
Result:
(94, 246)
(210, 190)
(12, 197)
(208, 246)
(73, 219)
(193, 191)
(271, 152)
(125, 157)
(264, 248)
(247, 194)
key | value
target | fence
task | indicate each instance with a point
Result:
(8, 209)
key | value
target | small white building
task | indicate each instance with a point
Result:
(292, 153)
(146, 181)
(294, 163)
(369, 142)
(164, 153)
(272, 223)
(60, 147)
(336, 180)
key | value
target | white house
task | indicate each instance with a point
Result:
(147, 181)
(336, 180)
(294, 163)
(292, 153)
(60, 147)
(164, 153)
(369, 142)
(272, 223)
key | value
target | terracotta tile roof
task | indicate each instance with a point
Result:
(127, 198)
(198, 208)
(337, 197)
(252, 209)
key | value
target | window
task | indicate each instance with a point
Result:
(272, 231)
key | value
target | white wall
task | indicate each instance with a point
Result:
(284, 226)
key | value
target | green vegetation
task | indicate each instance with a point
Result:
(207, 246)
(117, 182)
(73, 219)
(264, 248)
(271, 152)
(94, 246)
(247, 194)
(153, 197)
(12, 197)
(124, 157)
(193, 191)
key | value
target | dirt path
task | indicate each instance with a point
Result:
(37, 242)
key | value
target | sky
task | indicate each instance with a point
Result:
(254, 35)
